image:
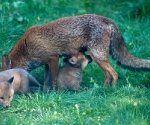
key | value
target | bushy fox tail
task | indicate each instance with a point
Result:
(120, 52)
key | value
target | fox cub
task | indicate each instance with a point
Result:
(13, 81)
(70, 75)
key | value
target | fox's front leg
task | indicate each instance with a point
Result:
(51, 71)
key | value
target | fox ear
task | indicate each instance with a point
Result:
(89, 58)
(73, 60)
(65, 60)
(10, 81)
(6, 62)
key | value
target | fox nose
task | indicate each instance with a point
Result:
(89, 58)
(6, 105)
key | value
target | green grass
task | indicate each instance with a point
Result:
(127, 104)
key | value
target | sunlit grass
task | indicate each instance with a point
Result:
(126, 105)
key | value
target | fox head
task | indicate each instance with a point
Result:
(79, 60)
(6, 92)
(7, 63)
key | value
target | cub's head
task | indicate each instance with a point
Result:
(6, 92)
(78, 60)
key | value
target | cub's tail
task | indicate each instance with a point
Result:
(120, 52)
(33, 81)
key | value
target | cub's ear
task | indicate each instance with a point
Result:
(11, 80)
(65, 60)
(73, 60)
(89, 58)
(82, 50)
(6, 62)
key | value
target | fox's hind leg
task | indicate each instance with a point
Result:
(99, 47)
(109, 72)
(99, 54)
(108, 78)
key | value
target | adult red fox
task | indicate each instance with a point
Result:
(44, 44)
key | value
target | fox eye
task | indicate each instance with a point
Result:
(1, 98)
(9, 97)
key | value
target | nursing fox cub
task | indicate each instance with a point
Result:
(70, 75)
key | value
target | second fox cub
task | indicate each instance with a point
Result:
(12, 81)
(70, 75)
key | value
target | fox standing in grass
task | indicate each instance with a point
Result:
(13, 81)
(44, 44)
(70, 75)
